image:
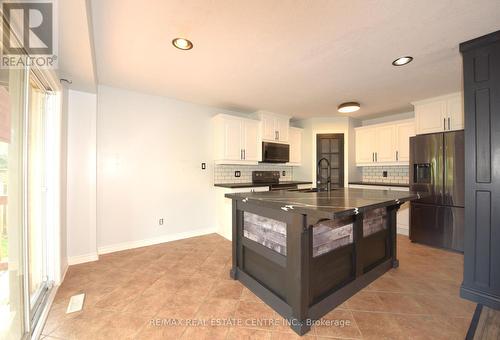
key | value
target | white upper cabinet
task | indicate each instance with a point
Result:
(444, 113)
(250, 141)
(274, 127)
(364, 145)
(455, 109)
(385, 141)
(384, 144)
(295, 140)
(236, 140)
(430, 117)
(403, 133)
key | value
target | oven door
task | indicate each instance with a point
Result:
(275, 152)
(287, 187)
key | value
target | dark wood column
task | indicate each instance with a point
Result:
(481, 65)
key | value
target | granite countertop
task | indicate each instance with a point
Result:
(402, 185)
(334, 204)
(253, 185)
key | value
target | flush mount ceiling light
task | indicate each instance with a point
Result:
(402, 61)
(182, 44)
(349, 107)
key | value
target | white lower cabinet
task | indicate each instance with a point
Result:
(224, 208)
(403, 214)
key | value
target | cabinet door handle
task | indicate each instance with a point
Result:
(275, 135)
(396, 155)
(278, 135)
(373, 156)
(241, 154)
(376, 156)
(449, 123)
(244, 154)
(444, 123)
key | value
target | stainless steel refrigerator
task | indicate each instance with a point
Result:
(437, 168)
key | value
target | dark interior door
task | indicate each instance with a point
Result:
(331, 147)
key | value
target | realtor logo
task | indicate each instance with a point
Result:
(28, 28)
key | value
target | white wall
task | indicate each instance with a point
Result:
(315, 126)
(81, 177)
(150, 151)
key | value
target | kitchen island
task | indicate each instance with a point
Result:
(304, 253)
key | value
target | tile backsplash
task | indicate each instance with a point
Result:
(225, 173)
(395, 174)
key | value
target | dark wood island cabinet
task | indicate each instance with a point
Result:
(304, 253)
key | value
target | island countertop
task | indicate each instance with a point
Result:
(333, 204)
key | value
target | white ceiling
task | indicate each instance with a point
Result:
(76, 59)
(299, 57)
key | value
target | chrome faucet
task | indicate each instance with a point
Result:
(318, 173)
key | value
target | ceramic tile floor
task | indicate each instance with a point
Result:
(188, 280)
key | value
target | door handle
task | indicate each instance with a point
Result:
(396, 155)
(244, 154)
(376, 156)
(275, 135)
(278, 135)
(444, 123)
(241, 154)
(449, 124)
(373, 156)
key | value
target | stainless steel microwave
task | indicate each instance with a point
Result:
(275, 153)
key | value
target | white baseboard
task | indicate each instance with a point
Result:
(72, 260)
(155, 240)
(403, 230)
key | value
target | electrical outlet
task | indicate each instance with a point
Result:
(203, 166)
(237, 173)
(384, 173)
(160, 221)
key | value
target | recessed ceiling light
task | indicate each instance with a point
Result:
(182, 44)
(402, 61)
(349, 107)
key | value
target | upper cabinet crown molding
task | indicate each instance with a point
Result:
(273, 127)
(384, 144)
(438, 114)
